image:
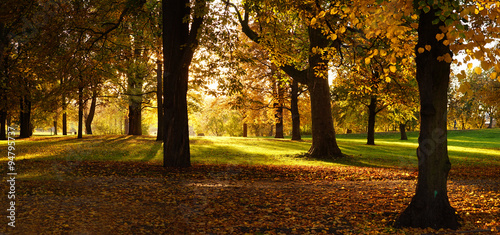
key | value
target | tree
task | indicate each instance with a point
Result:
(180, 39)
(430, 207)
(324, 143)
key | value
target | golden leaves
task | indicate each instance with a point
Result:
(478, 70)
(392, 68)
(428, 47)
(439, 36)
(493, 75)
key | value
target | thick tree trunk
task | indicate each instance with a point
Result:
(3, 130)
(430, 206)
(90, 116)
(294, 109)
(159, 99)
(179, 44)
(402, 130)
(491, 122)
(25, 118)
(80, 112)
(55, 125)
(372, 113)
(324, 144)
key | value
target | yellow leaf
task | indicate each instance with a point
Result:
(387, 79)
(342, 29)
(367, 60)
(421, 50)
(333, 11)
(383, 53)
(446, 42)
(414, 25)
(333, 36)
(439, 36)
(313, 21)
(375, 52)
(478, 70)
(469, 65)
(392, 68)
(414, 17)
(493, 75)
(428, 47)
(448, 58)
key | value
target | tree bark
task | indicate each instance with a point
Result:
(372, 113)
(55, 125)
(402, 130)
(324, 144)
(245, 130)
(25, 118)
(64, 115)
(159, 100)
(80, 112)
(179, 43)
(294, 109)
(430, 207)
(278, 104)
(91, 114)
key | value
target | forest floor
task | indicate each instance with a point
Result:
(113, 197)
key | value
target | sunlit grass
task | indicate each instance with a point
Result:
(471, 147)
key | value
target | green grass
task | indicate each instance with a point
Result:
(466, 148)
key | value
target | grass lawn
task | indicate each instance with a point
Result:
(466, 148)
(117, 185)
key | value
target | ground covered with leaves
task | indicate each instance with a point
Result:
(108, 197)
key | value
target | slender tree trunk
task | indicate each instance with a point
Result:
(55, 125)
(91, 114)
(491, 122)
(159, 99)
(294, 109)
(245, 130)
(430, 207)
(80, 112)
(278, 104)
(372, 113)
(402, 130)
(64, 116)
(25, 118)
(3, 130)
(179, 43)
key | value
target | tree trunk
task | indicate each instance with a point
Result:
(64, 117)
(372, 113)
(294, 109)
(278, 106)
(3, 130)
(25, 118)
(245, 130)
(324, 144)
(90, 116)
(491, 122)
(80, 112)
(159, 100)
(55, 125)
(402, 130)
(430, 206)
(179, 44)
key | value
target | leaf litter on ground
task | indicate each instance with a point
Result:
(108, 197)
